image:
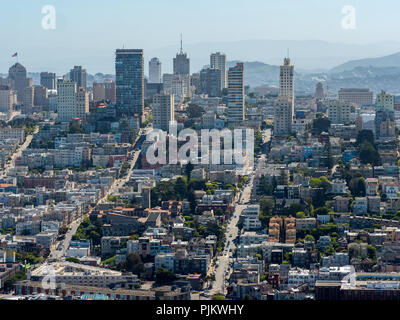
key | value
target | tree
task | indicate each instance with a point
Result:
(320, 125)
(164, 276)
(369, 155)
(188, 170)
(309, 238)
(134, 263)
(300, 215)
(371, 251)
(266, 206)
(194, 111)
(365, 135)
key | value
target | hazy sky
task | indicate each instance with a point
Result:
(88, 31)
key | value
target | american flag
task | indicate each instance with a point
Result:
(14, 55)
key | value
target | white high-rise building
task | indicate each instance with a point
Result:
(284, 107)
(155, 71)
(71, 102)
(286, 79)
(339, 111)
(218, 61)
(163, 111)
(283, 115)
(236, 96)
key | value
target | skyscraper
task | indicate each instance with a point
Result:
(99, 91)
(284, 107)
(78, 74)
(48, 79)
(182, 63)
(155, 71)
(110, 91)
(17, 73)
(218, 61)
(236, 93)
(129, 70)
(163, 111)
(286, 79)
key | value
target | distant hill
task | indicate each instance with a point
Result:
(392, 60)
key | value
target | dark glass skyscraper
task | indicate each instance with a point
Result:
(129, 71)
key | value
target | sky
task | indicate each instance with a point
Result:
(88, 31)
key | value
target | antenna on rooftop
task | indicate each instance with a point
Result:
(181, 44)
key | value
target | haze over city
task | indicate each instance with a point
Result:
(87, 32)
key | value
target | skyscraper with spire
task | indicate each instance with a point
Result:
(181, 62)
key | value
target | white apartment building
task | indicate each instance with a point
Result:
(164, 260)
(12, 133)
(297, 277)
(66, 100)
(163, 111)
(339, 112)
(79, 274)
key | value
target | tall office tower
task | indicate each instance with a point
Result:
(155, 71)
(78, 74)
(218, 61)
(66, 100)
(40, 96)
(284, 107)
(358, 96)
(110, 91)
(286, 79)
(6, 99)
(339, 111)
(385, 117)
(163, 111)
(283, 116)
(236, 93)
(17, 73)
(48, 79)
(129, 70)
(99, 91)
(182, 63)
(210, 82)
(82, 104)
(319, 91)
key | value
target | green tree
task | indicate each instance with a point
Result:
(164, 276)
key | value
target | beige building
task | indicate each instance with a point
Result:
(358, 96)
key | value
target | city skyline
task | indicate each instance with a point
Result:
(71, 41)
